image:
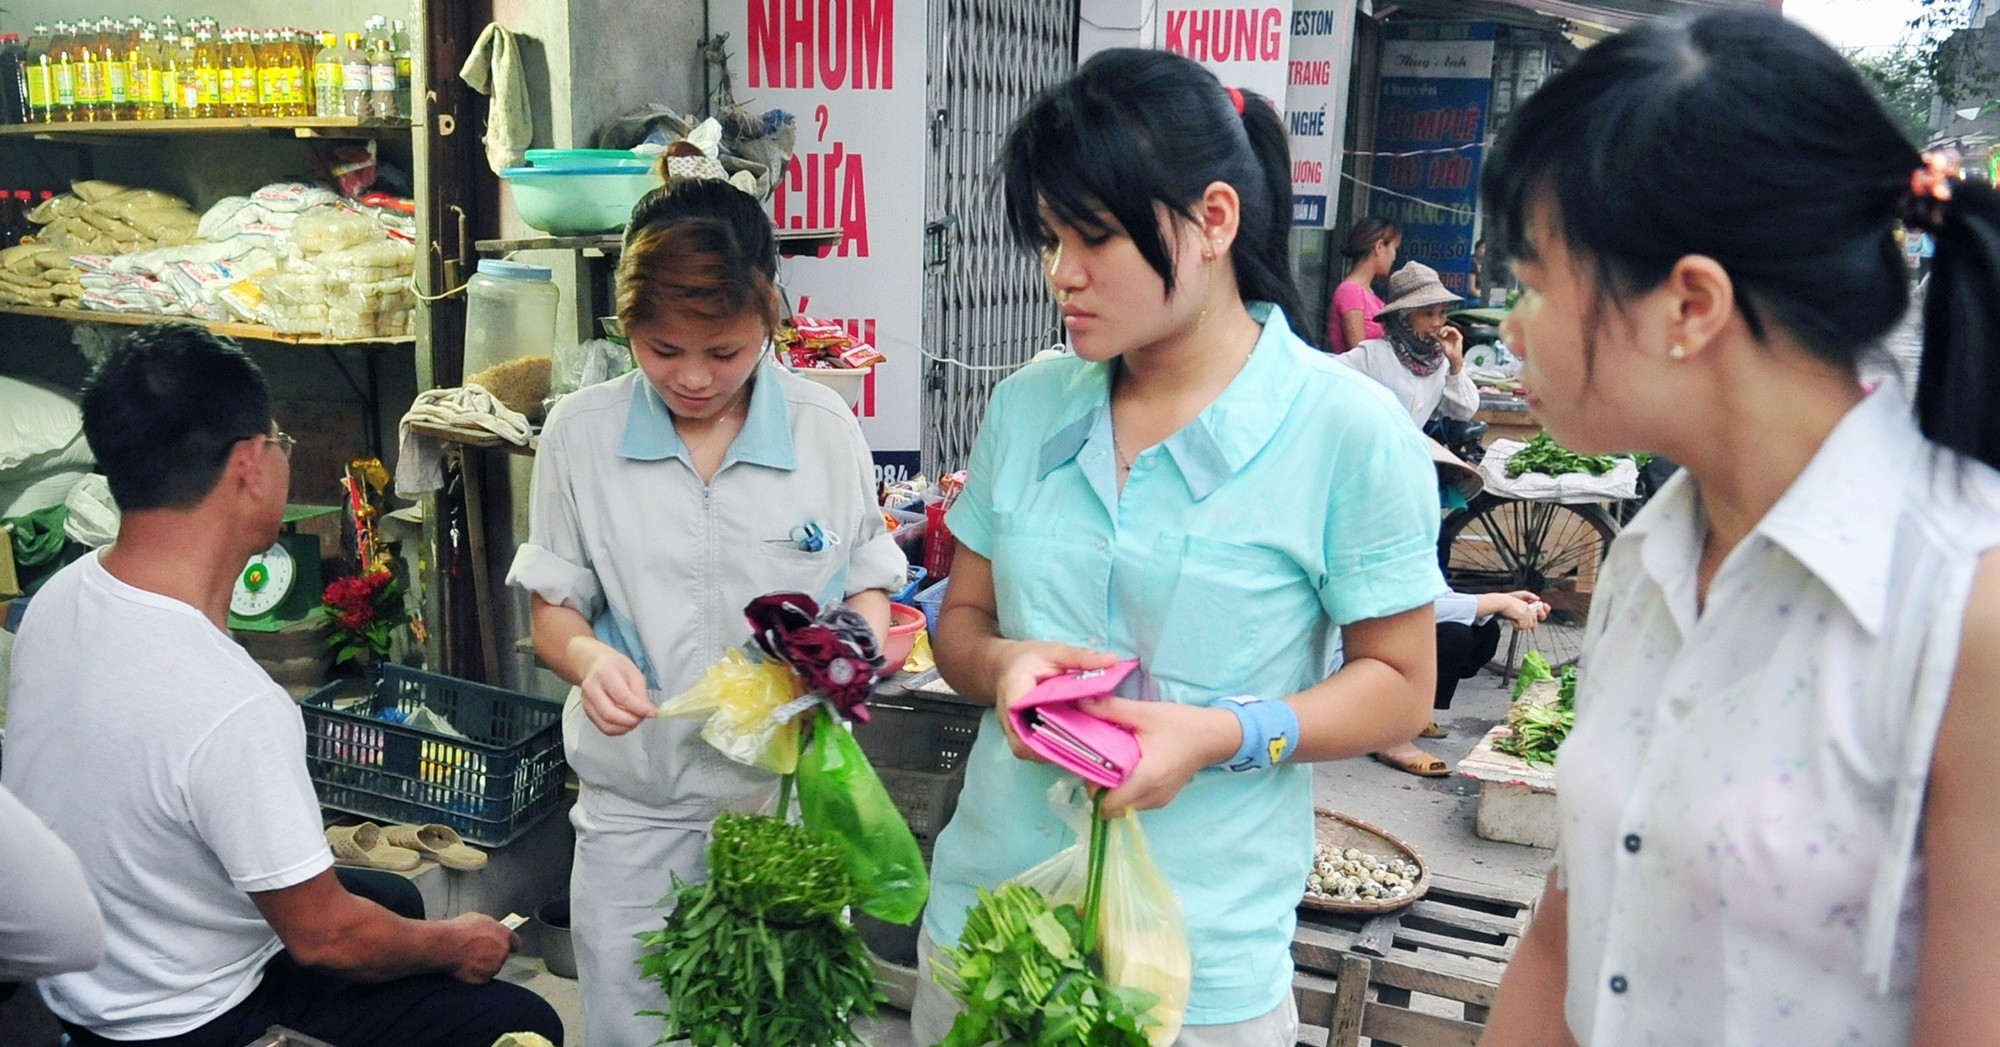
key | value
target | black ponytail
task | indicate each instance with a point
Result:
(1133, 128)
(1263, 258)
(1958, 387)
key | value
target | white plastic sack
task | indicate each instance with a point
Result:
(93, 515)
(1620, 483)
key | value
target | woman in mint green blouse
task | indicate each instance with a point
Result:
(1197, 488)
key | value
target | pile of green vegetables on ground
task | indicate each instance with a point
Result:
(1539, 727)
(762, 953)
(1544, 455)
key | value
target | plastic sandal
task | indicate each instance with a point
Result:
(439, 842)
(1433, 731)
(362, 846)
(1425, 766)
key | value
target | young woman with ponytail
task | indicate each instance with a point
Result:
(1776, 817)
(1196, 488)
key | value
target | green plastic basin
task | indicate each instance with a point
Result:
(586, 158)
(577, 201)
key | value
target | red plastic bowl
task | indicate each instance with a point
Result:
(905, 622)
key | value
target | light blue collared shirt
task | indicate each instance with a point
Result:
(1300, 500)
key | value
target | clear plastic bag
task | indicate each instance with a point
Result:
(1141, 930)
(842, 799)
(738, 696)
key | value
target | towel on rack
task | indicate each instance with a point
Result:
(420, 459)
(494, 69)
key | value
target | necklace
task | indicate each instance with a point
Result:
(1118, 453)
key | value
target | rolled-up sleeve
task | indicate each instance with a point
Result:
(553, 563)
(1461, 397)
(1382, 524)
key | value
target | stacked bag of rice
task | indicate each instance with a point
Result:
(104, 218)
(37, 275)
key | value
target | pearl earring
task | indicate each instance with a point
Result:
(1677, 353)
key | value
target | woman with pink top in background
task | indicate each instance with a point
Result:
(1370, 252)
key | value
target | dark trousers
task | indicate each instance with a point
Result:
(429, 1010)
(1462, 651)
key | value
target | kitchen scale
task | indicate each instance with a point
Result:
(282, 584)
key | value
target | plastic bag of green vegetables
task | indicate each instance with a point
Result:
(1539, 728)
(762, 953)
(1129, 929)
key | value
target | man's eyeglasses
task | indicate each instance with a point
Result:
(285, 443)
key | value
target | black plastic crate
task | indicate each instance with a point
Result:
(918, 745)
(490, 786)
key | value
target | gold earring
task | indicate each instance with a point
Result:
(1677, 353)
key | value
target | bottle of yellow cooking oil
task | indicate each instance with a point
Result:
(297, 73)
(242, 72)
(143, 77)
(41, 76)
(270, 73)
(88, 73)
(63, 68)
(187, 81)
(128, 46)
(209, 66)
(116, 103)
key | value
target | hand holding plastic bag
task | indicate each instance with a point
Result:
(1141, 931)
(842, 800)
(739, 696)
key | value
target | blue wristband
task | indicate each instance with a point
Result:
(1270, 732)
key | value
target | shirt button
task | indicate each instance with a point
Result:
(1102, 544)
(1618, 984)
(1632, 842)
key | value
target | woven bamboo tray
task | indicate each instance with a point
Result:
(1339, 830)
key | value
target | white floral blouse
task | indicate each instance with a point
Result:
(1742, 795)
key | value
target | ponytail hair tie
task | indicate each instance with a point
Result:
(1235, 99)
(1924, 205)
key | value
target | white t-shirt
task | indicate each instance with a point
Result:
(1742, 795)
(1422, 395)
(175, 769)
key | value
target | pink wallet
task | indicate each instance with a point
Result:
(1048, 721)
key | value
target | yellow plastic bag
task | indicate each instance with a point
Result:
(738, 696)
(1141, 930)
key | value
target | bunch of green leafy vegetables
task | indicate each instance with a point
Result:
(1024, 972)
(1544, 455)
(1539, 727)
(761, 953)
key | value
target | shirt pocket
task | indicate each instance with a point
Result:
(1224, 610)
(781, 566)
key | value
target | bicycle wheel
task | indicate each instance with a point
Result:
(1499, 545)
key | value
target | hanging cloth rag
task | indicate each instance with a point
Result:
(494, 69)
(420, 459)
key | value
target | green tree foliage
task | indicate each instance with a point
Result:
(1902, 80)
(1954, 61)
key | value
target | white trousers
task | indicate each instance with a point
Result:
(933, 1010)
(623, 868)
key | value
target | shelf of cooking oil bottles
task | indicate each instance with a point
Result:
(147, 77)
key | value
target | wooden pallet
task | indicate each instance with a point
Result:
(1387, 977)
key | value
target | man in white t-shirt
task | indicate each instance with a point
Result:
(175, 768)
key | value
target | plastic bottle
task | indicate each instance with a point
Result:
(62, 63)
(173, 95)
(116, 101)
(243, 65)
(354, 88)
(89, 73)
(148, 97)
(510, 311)
(382, 79)
(41, 76)
(405, 68)
(13, 80)
(210, 63)
(327, 77)
(170, 31)
(128, 48)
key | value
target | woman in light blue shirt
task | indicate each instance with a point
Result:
(1197, 488)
